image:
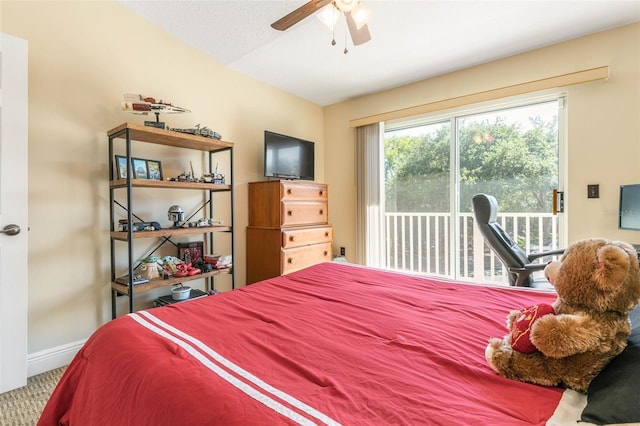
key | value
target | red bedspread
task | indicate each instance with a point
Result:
(333, 344)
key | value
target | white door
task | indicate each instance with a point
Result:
(13, 212)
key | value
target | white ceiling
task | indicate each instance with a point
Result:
(411, 40)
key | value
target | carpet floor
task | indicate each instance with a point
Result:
(23, 406)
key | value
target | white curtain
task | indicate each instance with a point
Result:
(370, 201)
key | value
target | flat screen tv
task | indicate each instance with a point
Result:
(629, 207)
(286, 157)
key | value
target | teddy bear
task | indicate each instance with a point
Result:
(597, 282)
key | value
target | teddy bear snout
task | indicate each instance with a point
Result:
(551, 270)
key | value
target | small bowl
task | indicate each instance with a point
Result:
(180, 292)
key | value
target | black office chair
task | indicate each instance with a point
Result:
(518, 263)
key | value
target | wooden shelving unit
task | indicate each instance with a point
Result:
(130, 134)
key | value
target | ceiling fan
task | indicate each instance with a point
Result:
(353, 10)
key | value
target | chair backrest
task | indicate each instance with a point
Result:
(485, 210)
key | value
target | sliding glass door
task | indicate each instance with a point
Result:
(432, 169)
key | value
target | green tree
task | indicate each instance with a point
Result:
(516, 165)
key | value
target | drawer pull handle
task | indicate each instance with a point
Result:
(290, 260)
(291, 238)
(321, 212)
(289, 191)
(290, 212)
(326, 234)
(326, 253)
(321, 193)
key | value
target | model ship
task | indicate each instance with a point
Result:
(138, 104)
(199, 131)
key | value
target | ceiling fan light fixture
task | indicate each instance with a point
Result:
(345, 5)
(360, 15)
(329, 16)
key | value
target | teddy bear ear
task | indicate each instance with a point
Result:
(613, 267)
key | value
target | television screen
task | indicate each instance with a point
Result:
(287, 157)
(629, 207)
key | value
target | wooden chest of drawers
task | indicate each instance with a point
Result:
(288, 228)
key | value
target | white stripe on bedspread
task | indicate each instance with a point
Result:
(187, 342)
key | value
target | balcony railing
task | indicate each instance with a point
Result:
(421, 243)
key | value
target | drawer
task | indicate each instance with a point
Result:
(303, 191)
(295, 213)
(294, 259)
(306, 236)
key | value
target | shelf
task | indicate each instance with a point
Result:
(167, 137)
(148, 183)
(161, 282)
(130, 133)
(194, 294)
(168, 232)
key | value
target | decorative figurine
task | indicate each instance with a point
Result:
(176, 215)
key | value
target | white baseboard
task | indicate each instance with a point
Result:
(50, 359)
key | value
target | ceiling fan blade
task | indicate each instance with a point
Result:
(358, 36)
(299, 14)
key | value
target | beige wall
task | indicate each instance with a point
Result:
(603, 127)
(81, 65)
(82, 57)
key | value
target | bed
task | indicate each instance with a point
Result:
(331, 344)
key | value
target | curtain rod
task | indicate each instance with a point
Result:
(570, 79)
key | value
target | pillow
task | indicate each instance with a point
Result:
(613, 394)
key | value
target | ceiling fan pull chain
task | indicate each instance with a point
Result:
(345, 41)
(333, 27)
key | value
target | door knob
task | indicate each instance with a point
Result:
(10, 230)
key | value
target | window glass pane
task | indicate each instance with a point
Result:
(417, 213)
(511, 154)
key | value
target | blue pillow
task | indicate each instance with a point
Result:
(614, 394)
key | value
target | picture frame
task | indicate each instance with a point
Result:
(191, 252)
(121, 167)
(139, 166)
(154, 170)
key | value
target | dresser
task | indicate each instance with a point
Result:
(288, 227)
